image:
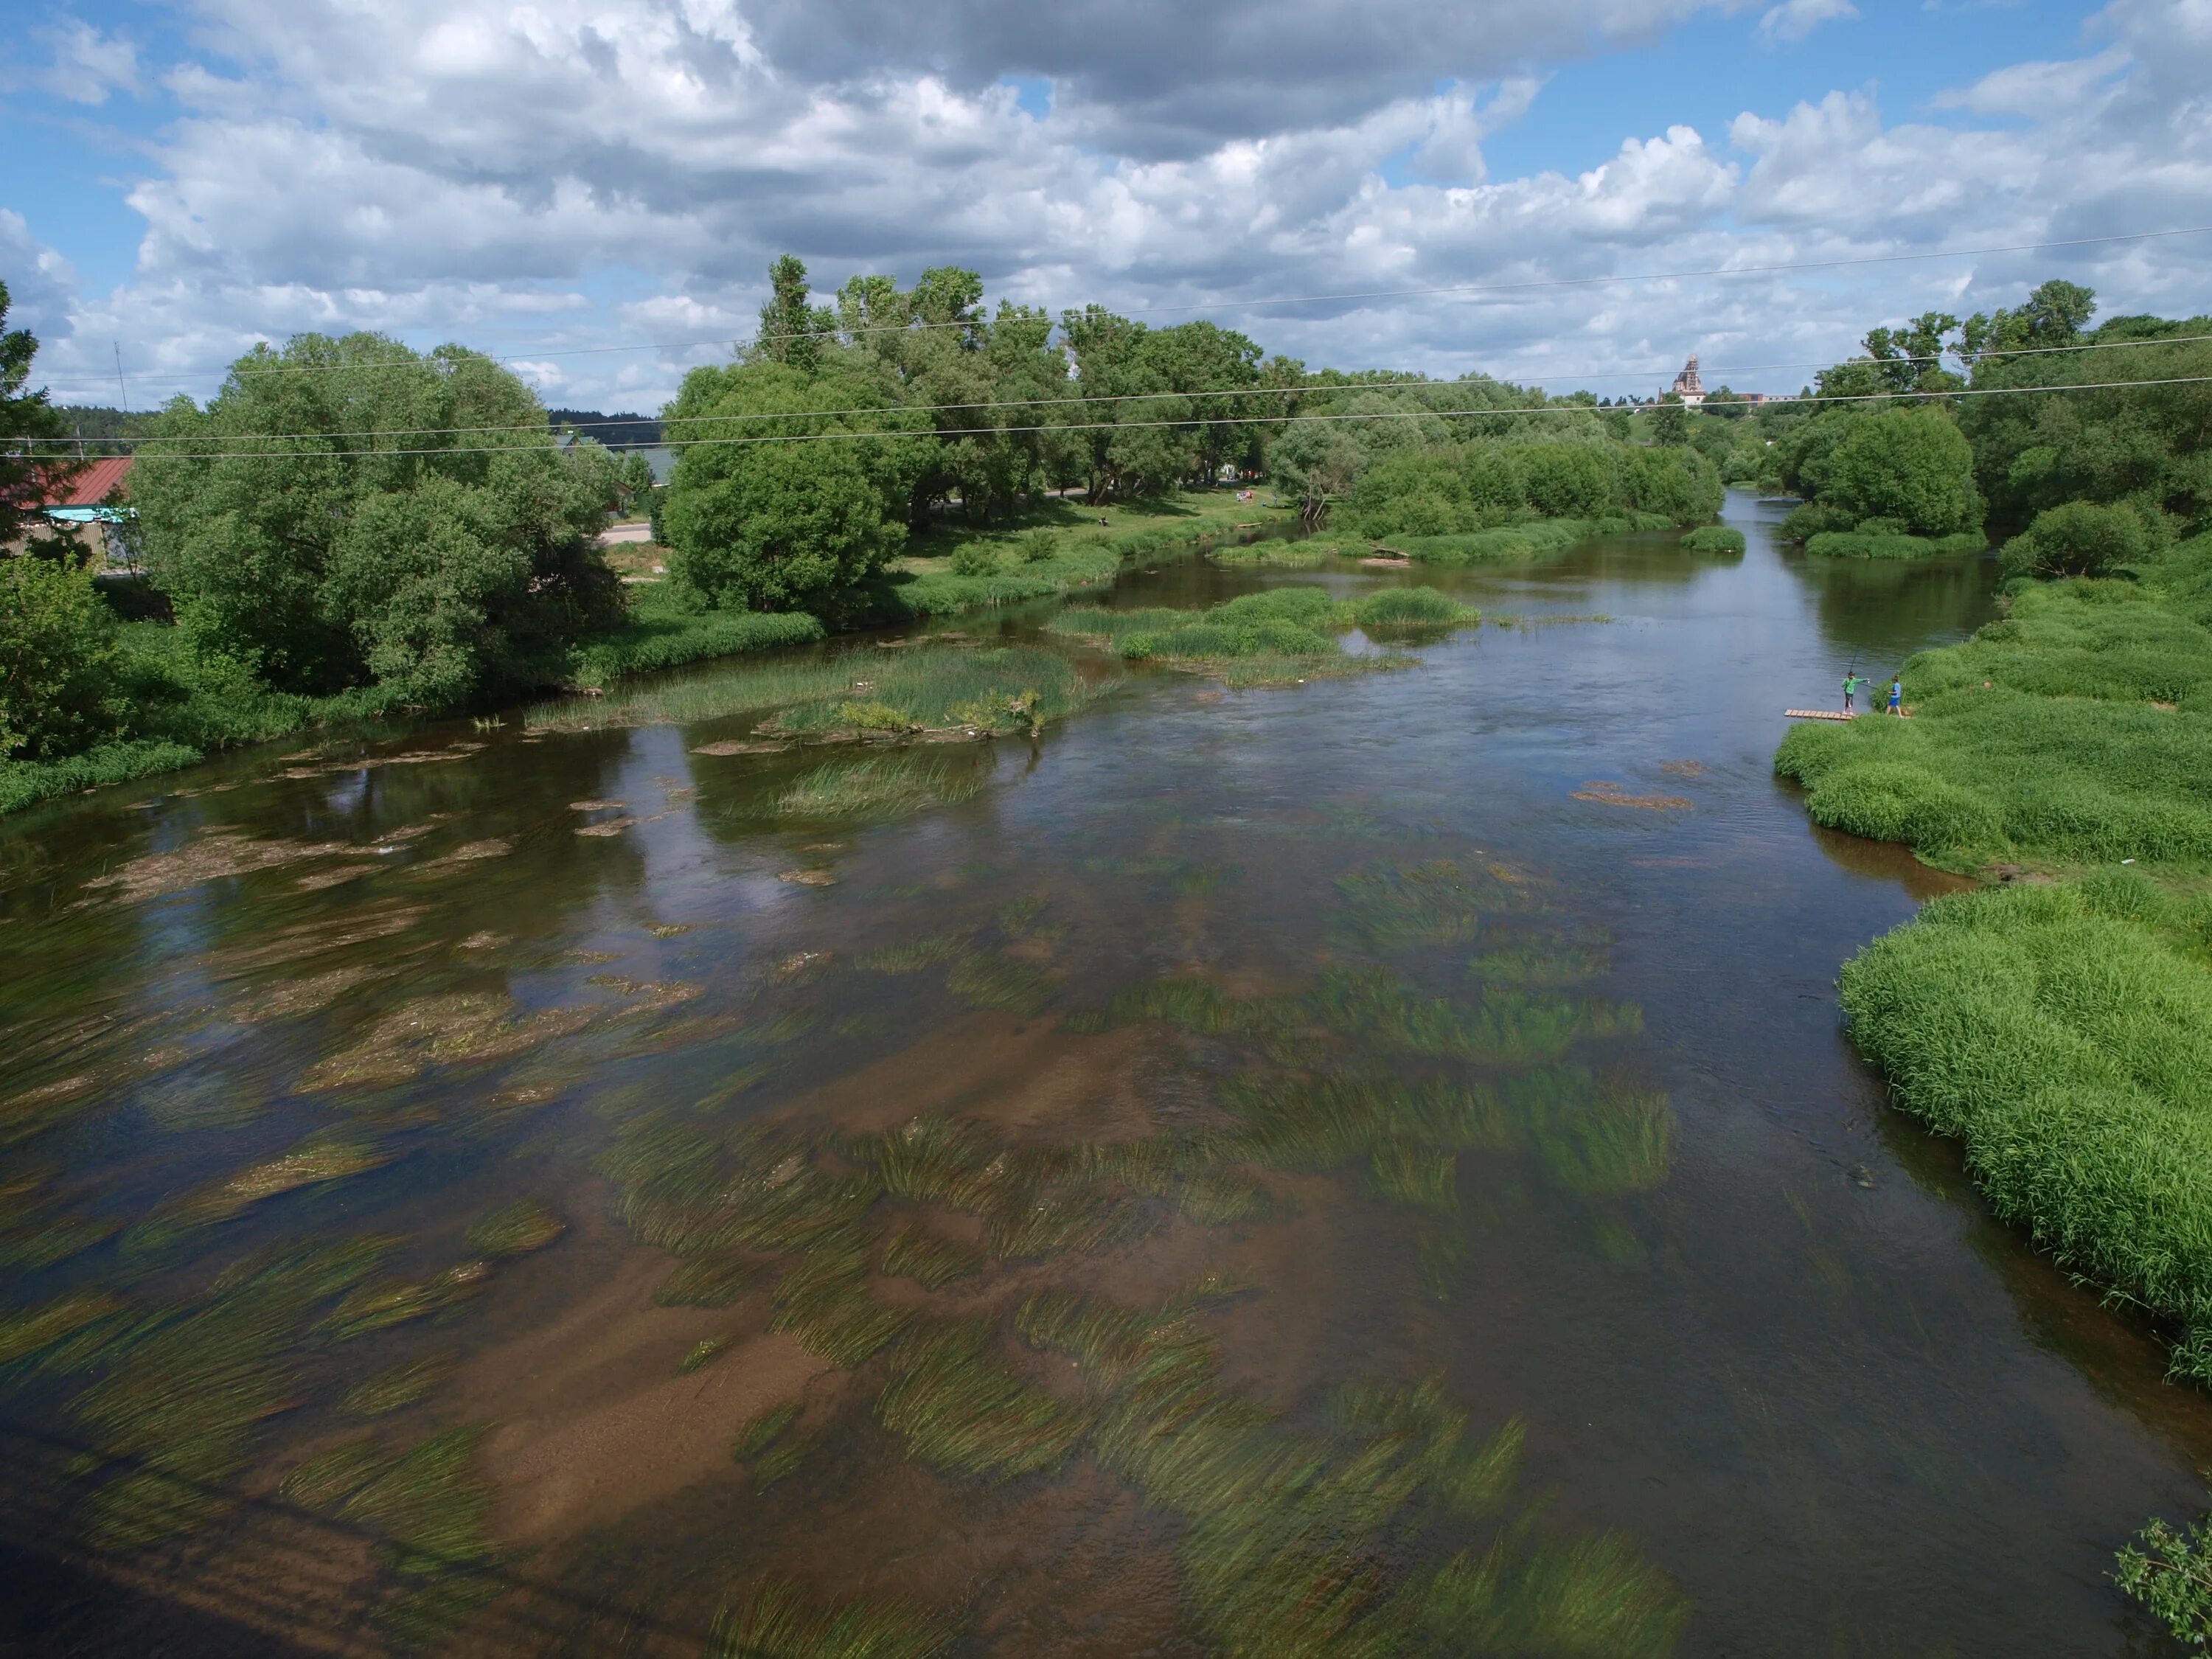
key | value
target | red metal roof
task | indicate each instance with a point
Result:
(90, 487)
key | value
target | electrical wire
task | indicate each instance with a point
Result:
(1127, 426)
(1531, 284)
(1298, 390)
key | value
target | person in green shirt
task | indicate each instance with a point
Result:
(1851, 690)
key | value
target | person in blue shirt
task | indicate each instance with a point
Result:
(1897, 698)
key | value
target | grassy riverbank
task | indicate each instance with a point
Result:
(195, 708)
(2061, 1027)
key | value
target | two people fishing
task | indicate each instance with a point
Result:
(1853, 684)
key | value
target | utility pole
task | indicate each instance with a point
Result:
(119, 386)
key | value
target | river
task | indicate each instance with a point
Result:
(1756, 1329)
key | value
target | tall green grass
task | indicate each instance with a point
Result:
(2077, 730)
(2063, 1034)
(850, 694)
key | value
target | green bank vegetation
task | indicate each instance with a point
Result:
(397, 532)
(2056, 1022)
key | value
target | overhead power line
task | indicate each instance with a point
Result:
(1086, 398)
(1527, 285)
(1128, 426)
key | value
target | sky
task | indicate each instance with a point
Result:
(593, 189)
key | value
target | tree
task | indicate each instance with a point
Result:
(368, 542)
(1910, 465)
(33, 468)
(59, 674)
(791, 329)
(1670, 421)
(1314, 462)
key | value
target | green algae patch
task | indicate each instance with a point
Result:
(964, 1414)
(516, 1228)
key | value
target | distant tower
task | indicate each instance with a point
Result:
(1688, 386)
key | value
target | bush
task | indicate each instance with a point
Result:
(1714, 538)
(2081, 539)
(975, 559)
(59, 662)
(1814, 519)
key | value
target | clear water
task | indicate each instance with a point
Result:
(1779, 1347)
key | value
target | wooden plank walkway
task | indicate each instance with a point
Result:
(1817, 714)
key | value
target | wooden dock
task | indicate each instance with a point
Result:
(1817, 714)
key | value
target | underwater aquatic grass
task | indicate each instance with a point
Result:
(990, 980)
(380, 1306)
(1595, 1595)
(1062, 1220)
(430, 1516)
(516, 1228)
(396, 1389)
(326, 1155)
(911, 957)
(824, 1300)
(929, 1259)
(963, 1413)
(178, 1394)
(1411, 1173)
(714, 1280)
(1396, 906)
(779, 1621)
(935, 1159)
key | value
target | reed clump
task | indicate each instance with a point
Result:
(884, 786)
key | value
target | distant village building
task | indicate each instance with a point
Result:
(88, 510)
(1688, 386)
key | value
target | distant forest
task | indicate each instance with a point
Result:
(102, 428)
(621, 430)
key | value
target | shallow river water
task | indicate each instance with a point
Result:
(1433, 1078)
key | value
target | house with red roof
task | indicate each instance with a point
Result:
(88, 508)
